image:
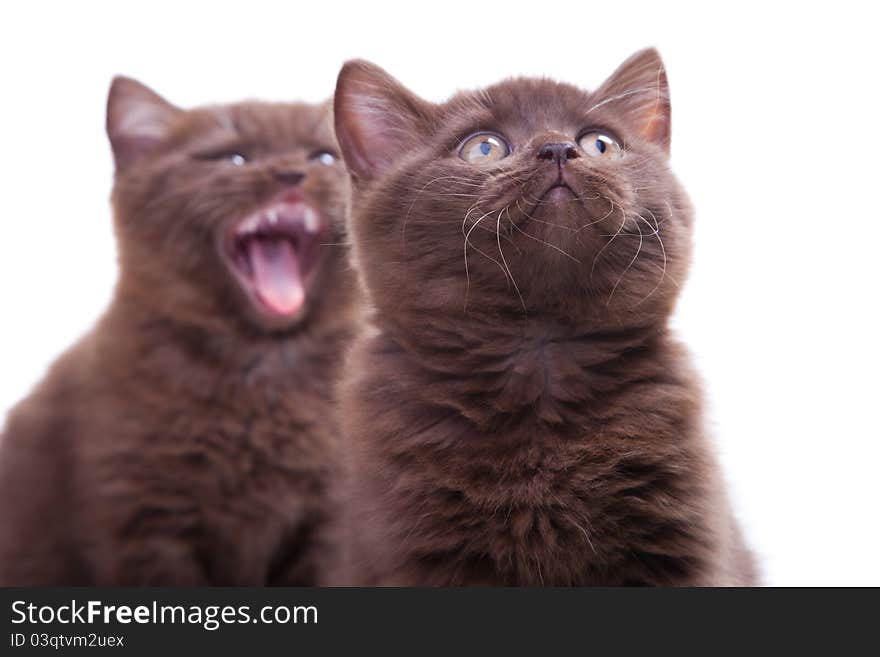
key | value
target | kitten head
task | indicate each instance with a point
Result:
(229, 215)
(530, 197)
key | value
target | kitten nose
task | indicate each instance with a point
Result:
(291, 178)
(559, 152)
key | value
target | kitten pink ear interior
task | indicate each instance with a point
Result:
(639, 90)
(137, 120)
(376, 118)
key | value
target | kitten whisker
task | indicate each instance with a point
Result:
(656, 222)
(460, 180)
(409, 211)
(663, 273)
(540, 221)
(540, 241)
(607, 244)
(598, 221)
(501, 251)
(467, 242)
(538, 201)
(629, 266)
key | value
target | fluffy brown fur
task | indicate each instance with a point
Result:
(188, 438)
(520, 413)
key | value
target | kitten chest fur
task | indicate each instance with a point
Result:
(532, 462)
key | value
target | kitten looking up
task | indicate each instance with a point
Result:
(521, 414)
(188, 438)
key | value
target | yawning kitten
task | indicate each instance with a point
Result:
(521, 415)
(188, 438)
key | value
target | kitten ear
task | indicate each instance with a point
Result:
(137, 120)
(376, 118)
(639, 90)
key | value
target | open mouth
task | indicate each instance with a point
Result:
(557, 193)
(272, 251)
(555, 197)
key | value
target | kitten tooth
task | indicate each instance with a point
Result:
(313, 225)
(250, 225)
(272, 216)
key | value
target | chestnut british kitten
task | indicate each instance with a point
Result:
(519, 413)
(188, 438)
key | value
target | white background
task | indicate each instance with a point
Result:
(775, 134)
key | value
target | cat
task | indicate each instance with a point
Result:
(189, 438)
(518, 412)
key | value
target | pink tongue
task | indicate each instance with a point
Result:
(276, 274)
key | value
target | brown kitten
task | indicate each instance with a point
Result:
(520, 414)
(188, 438)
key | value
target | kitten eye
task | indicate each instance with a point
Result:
(234, 158)
(598, 144)
(326, 158)
(484, 148)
